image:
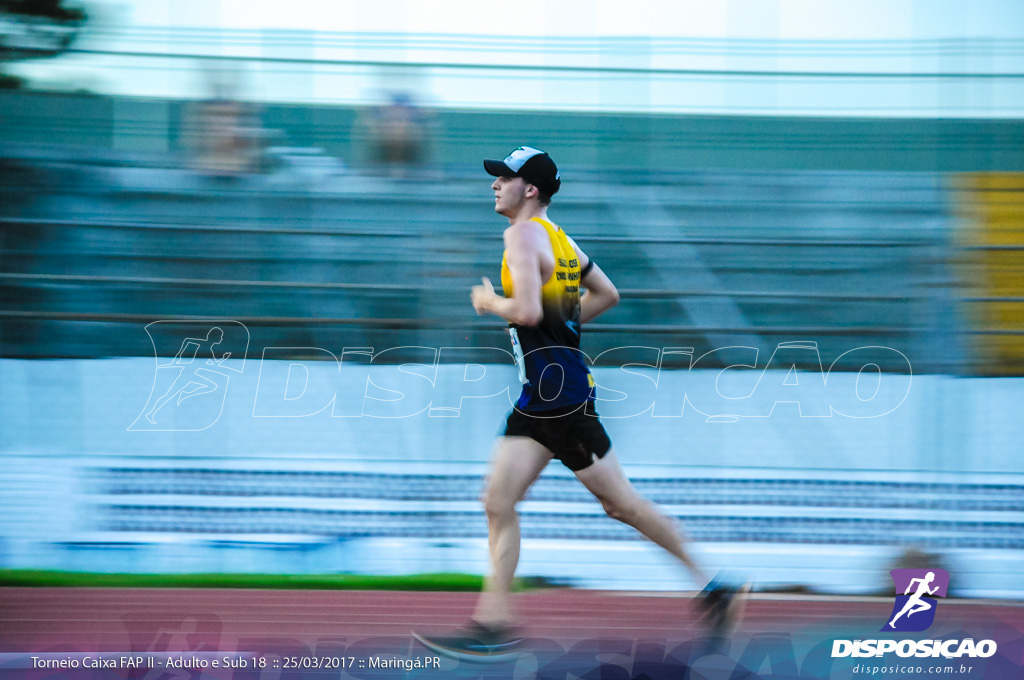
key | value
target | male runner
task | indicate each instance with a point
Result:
(554, 418)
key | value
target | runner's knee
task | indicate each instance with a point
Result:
(497, 504)
(626, 510)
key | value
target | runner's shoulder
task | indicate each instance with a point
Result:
(525, 234)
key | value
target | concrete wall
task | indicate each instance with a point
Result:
(827, 501)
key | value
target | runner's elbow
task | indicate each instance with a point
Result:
(608, 299)
(528, 317)
(527, 314)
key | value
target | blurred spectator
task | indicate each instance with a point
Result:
(226, 133)
(398, 134)
(227, 138)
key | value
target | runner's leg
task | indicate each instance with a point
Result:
(919, 607)
(609, 484)
(517, 463)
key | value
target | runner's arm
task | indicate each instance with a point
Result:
(522, 255)
(601, 294)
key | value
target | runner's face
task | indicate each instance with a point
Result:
(509, 195)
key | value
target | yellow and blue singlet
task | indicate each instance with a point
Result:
(556, 373)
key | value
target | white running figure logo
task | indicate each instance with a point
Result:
(196, 380)
(915, 603)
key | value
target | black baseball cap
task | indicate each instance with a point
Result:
(533, 165)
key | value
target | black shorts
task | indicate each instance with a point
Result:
(573, 433)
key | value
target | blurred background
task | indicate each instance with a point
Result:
(211, 211)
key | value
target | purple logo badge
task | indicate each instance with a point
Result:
(916, 590)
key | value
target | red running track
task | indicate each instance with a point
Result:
(318, 622)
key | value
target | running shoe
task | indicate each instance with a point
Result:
(722, 605)
(475, 642)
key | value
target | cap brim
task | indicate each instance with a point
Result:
(498, 169)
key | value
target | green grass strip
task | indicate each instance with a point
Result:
(74, 579)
